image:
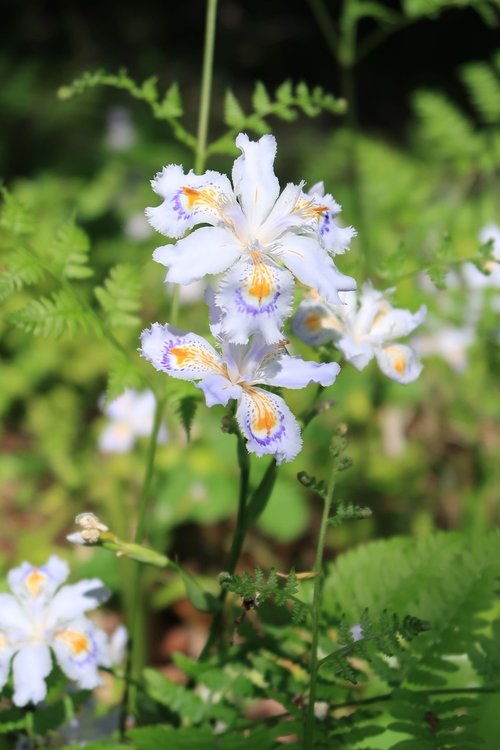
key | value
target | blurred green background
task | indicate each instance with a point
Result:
(415, 165)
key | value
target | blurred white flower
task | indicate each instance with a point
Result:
(131, 415)
(137, 227)
(120, 132)
(189, 293)
(362, 328)
(451, 343)
(40, 620)
(118, 646)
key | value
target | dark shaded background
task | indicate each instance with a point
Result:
(46, 44)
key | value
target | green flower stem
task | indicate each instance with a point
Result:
(136, 614)
(206, 86)
(236, 545)
(316, 613)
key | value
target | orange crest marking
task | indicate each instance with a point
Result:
(192, 195)
(261, 283)
(78, 642)
(181, 354)
(398, 359)
(34, 581)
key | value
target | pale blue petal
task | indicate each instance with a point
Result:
(399, 363)
(189, 200)
(255, 296)
(30, 582)
(218, 390)
(357, 353)
(73, 600)
(80, 648)
(312, 265)
(254, 181)
(294, 372)
(180, 354)
(315, 323)
(268, 425)
(207, 250)
(30, 667)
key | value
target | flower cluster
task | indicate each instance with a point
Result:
(255, 240)
(363, 328)
(41, 619)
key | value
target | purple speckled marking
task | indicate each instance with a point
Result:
(179, 209)
(276, 436)
(325, 224)
(245, 307)
(165, 360)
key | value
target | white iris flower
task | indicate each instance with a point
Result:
(263, 417)
(40, 620)
(258, 238)
(362, 329)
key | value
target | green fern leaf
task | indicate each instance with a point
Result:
(484, 89)
(15, 216)
(70, 252)
(120, 296)
(234, 116)
(52, 316)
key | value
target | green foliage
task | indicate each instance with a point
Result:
(166, 106)
(120, 296)
(287, 102)
(59, 313)
(255, 590)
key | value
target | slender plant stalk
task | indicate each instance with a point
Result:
(206, 86)
(316, 613)
(236, 544)
(137, 653)
(136, 613)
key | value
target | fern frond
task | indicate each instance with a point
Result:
(22, 268)
(52, 316)
(69, 252)
(166, 107)
(483, 85)
(286, 104)
(15, 217)
(120, 296)
(444, 129)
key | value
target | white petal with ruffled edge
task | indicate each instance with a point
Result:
(399, 362)
(313, 266)
(315, 324)
(357, 353)
(287, 371)
(189, 200)
(80, 648)
(178, 353)
(391, 323)
(207, 250)
(72, 601)
(30, 583)
(30, 667)
(256, 296)
(268, 425)
(254, 181)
